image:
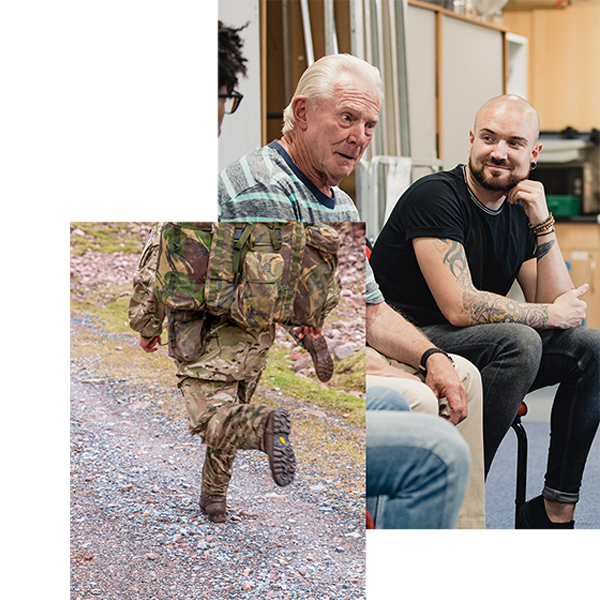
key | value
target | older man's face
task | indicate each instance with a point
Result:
(340, 129)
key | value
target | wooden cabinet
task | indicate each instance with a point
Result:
(580, 246)
(564, 62)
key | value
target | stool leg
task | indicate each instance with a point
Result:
(521, 465)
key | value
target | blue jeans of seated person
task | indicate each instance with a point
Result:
(515, 359)
(417, 465)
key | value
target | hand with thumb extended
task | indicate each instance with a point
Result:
(581, 290)
(570, 311)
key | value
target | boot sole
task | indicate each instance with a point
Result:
(321, 358)
(281, 455)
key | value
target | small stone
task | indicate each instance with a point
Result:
(246, 586)
(343, 351)
(127, 488)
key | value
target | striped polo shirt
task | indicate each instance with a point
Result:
(266, 186)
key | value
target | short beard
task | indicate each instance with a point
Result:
(492, 183)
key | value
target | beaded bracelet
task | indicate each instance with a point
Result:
(545, 233)
(545, 225)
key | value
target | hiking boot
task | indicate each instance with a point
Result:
(214, 508)
(319, 353)
(278, 448)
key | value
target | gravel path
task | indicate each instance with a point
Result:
(137, 531)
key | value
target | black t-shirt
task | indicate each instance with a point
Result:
(441, 205)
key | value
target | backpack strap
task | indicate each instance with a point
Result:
(239, 251)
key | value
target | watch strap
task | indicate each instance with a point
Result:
(427, 354)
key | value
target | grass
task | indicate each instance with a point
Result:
(279, 375)
(109, 237)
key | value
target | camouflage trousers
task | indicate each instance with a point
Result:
(217, 390)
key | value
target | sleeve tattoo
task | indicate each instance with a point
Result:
(487, 307)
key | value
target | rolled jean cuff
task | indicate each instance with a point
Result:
(562, 497)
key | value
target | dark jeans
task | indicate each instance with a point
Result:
(513, 360)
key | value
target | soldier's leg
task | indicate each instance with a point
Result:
(218, 388)
(224, 425)
(217, 472)
(229, 370)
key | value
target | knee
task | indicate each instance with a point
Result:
(521, 344)
(470, 377)
(419, 397)
(384, 398)
(393, 437)
(586, 342)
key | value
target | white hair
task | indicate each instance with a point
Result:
(319, 80)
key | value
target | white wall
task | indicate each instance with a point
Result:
(187, 159)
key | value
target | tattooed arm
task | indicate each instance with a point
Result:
(444, 265)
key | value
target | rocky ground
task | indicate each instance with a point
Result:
(136, 530)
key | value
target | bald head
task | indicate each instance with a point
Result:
(511, 106)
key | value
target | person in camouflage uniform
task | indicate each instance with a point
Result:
(217, 386)
(220, 329)
(223, 362)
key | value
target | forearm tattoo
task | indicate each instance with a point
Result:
(487, 307)
(543, 249)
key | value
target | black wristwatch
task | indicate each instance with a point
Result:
(427, 354)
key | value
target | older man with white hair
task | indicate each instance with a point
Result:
(327, 127)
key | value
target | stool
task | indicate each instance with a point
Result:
(517, 425)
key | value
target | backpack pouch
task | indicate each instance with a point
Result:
(254, 302)
(318, 284)
(183, 265)
(185, 329)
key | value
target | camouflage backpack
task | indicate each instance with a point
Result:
(283, 273)
(257, 274)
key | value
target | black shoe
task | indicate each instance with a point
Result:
(532, 515)
(277, 446)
